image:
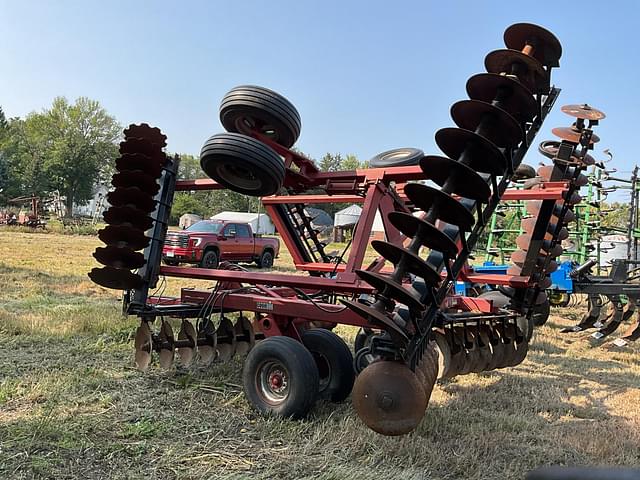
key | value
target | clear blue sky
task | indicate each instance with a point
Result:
(365, 76)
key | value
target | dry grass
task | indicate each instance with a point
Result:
(72, 406)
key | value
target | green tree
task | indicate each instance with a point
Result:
(184, 202)
(330, 162)
(189, 167)
(350, 162)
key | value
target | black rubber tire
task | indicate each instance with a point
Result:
(301, 376)
(250, 108)
(265, 260)
(541, 313)
(210, 259)
(242, 164)
(334, 361)
(524, 171)
(362, 339)
(397, 157)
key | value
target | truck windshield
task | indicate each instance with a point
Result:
(205, 227)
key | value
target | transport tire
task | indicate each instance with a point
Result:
(265, 260)
(524, 172)
(362, 339)
(280, 378)
(397, 157)
(242, 164)
(334, 361)
(210, 259)
(541, 313)
(249, 108)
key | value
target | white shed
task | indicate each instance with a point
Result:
(188, 219)
(260, 222)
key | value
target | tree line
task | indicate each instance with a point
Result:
(69, 148)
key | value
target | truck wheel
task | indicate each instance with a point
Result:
(242, 164)
(265, 260)
(280, 377)
(210, 259)
(334, 361)
(248, 108)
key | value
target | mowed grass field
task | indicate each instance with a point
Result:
(73, 406)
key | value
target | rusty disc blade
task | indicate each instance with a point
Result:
(226, 340)
(187, 332)
(388, 398)
(115, 278)
(524, 242)
(379, 319)
(514, 270)
(572, 135)
(430, 236)
(142, 146)
(167, 349)
(459, 178)
(413, 263)
(143, 130)
(119, 257)
(383, 283)
(445, 361)
(439, 204)
(518, 257)
(471, 149)
(429, 367)
(132, 197)
(498, 126)
(128, 216)
(141, 162)
(551, 173)
(142, 343)
(533, 208)
(529, 71)
(136, 178)
(506, 92)
(207, 349)
(546, 47)
(529, 224)
(584, 111)
(123, 236)
(245, 338)
(544, 283)
(484, 349)
(549, 148)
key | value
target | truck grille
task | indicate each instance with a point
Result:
(177, 241)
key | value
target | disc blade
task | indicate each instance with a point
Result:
(245, 339)
(439, 204)
(379, 319)
(167, 349)
(472, 149)
(187, 332)
(119, 257)
(529, 71)
(115, 278)
(143, 130)
(226, 340)
(143, 347)
(138, 179)
(123, 236)
(430, 236)
(388, 398)
(459, 178)
(497, 125)
(584, 111)
(546, 47)
(207, 350)
(132, 197)
(507, 92)
(137, 161)
(129, 217)
(383, 283)
(572, 135)
(413, 263)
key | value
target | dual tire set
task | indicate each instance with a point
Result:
(236, 159)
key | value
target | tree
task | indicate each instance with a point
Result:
(350, 162)
(330, 163)
(189, 167)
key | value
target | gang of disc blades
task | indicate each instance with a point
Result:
(132, 197)
(144, 147)
(187, 332)
(405, 295)
(428, 234)
(136, 178)
(244, 329)
(207, 349)
(115, 278)
(119, 257)
(533, 208)
(506, 92)
(388, 398)
(461, 180)
(548, 171)
(473, 149)
(529, 71)
(584, 111)
(441, 204)
(498, 126)
(572, 135)
(123, 236)
(381, 318)
(546, 46)
(167, 350)
(128, 216)
(413, 263)
(226, 340)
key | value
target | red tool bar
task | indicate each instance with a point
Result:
(254, 278)
(498, 279)
(547, 191)
(312, 199)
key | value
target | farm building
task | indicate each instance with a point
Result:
(188, 219)
(260, 222)
(346, 219)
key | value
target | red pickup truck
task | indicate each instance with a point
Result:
(208, 242)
